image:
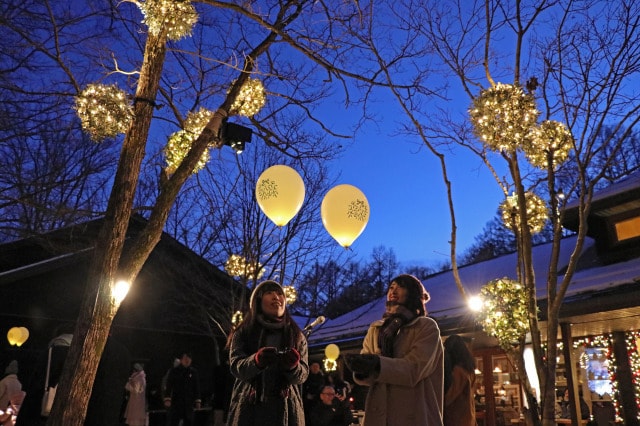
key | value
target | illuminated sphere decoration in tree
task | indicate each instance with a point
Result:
(290, 294)
(176, 17)
(180, 142)
(502, 116)
(104, 111)
(504, 314)
(250, 99)
(537, 212)
(551, 141)
(238, 266)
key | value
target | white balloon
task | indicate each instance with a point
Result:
(280, 193)
(345, 213)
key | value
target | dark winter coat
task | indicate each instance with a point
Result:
(183, 387)
(269, 396)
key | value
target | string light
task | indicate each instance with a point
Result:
(250, 99)
(180, 142)
(550, 142)
(290, 294)
(330, 364)
(505, 314)
(177, 17)
(502, 116)
(236, 318)
(537, 212)
(104, 111)
(238, 266)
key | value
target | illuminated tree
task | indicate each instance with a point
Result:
(171, 58)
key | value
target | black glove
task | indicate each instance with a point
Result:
(362, 365)
(290, 359)
(266, 356)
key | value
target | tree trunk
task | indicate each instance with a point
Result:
(98, 309)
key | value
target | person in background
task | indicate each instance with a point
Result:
(183, 392)
(341, 387)
(312, 387)
(10, 386)
(402, 361)
(459, 380)
(165, 378)
(331, 411)
(268, 358)
(565, 406)
(136, 412)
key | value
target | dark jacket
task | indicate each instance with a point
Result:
(269, 396)
(336, 414)
(183, 387)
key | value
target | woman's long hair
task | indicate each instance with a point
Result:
(250, 322)
(456, 352)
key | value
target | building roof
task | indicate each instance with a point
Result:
(447, 305)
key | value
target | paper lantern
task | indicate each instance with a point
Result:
(17, 335)
(280, 193)
(345, 213)
(332, 352)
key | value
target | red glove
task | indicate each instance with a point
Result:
(266, 356)
(290, 359)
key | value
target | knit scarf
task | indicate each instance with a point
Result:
(394, 318)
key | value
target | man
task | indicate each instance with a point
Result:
(183, 392)
(312, 387)
(402, 361)
(330, 411)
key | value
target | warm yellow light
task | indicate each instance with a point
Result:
(290, 294)
(330, 364)
(119, 291)
(332, 351)
(475, 303)
(17, 336)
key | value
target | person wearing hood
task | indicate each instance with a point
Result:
(402, 361)
(136, 412)
(10, 386)
(269, 360)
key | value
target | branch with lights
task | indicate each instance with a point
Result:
(537, 212)
(104, 111)
(177, 18)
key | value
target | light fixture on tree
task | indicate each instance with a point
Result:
(235, 135)
(120, 291)
(17, 336)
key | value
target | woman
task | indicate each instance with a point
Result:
(136, 411)
(402, 361)
(268, 358)
(459, 380)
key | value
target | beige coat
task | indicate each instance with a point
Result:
(408, 390)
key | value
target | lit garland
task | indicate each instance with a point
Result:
(632, 341)
(604, 341)
(250, 99)
(176, 16)
(290, 294)
(238, 266)
(330, 364)
(104, 111)
(537, 213)
(502, 116)
(549, 139)
(236, 318)
(504, 314)
(180, 142)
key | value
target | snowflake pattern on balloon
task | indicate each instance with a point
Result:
(358, 210)
(267, 188)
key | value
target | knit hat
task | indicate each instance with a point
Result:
(137, 366)
(261, 289)
(12, 368)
